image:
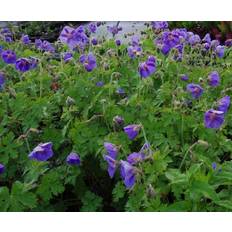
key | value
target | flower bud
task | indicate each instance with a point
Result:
(70, 101)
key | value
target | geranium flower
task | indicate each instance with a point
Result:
(68, 56)
(132, 130)
(42, 152)
(112, 165)
(195, 90)
(89, 62)
(224, 104)
(214, 79)
(148, 67)
(92, 27)
(159, 25)
(220, 50)
(23, 64)
(73, 159)
(2, 79)
(8, 56)
(134, 51)
(128, 174)
(213, 119)
(2, 168)
(135, 158)
(25, 39)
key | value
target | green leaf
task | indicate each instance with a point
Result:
(118, 192)
(21, 199)
(4, 199)
(51, 184)
(200, 188)
(91, 202)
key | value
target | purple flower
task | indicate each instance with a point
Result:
(2, 79)
(2, 168)
(38, 43)
(100, 83)
(220, 50)
(135, 40)
(8, 56)
(73, 159)
(135, 158)
(42, 152)
(213, 119)
(228, 42)
(214, 43)
(111, 149)
(68, 56)
(195, 90)
(92, 27)
(34, 62)
(134, 51)
(120, 91)
(206, 46)
(165, 49)
(94, 41)
(118, 120)
(23, 64)
(112, 165)
(194, 39)
(148, 67)
(132, 130)
(118, 42)
(159, 25)
(207, 38)
(214, 166)
(44, 45)
(146, 148)
(6, 34)
(128, 174)
(69, 36)
(25, 39)
(89, 62)
(214, 79)
(224, 104)
(184, 77)
(114, 29)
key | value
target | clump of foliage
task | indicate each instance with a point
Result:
(89, 124)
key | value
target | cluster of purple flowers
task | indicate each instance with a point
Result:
(88, 61)
(115, 29)
(215, 118)
(172, 39)
(75, 38)
(92, 27)
(134, 49)
(44, 151)
(6, 35)
(128, 171)
(21, 64)
(44, 46)
(178, 38)
(148, 67)
(159, 25)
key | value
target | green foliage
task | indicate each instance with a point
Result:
(177, 174)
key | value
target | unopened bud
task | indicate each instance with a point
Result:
(203, 143)
(70, 101)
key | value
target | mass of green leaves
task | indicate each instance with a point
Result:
(178, 177)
